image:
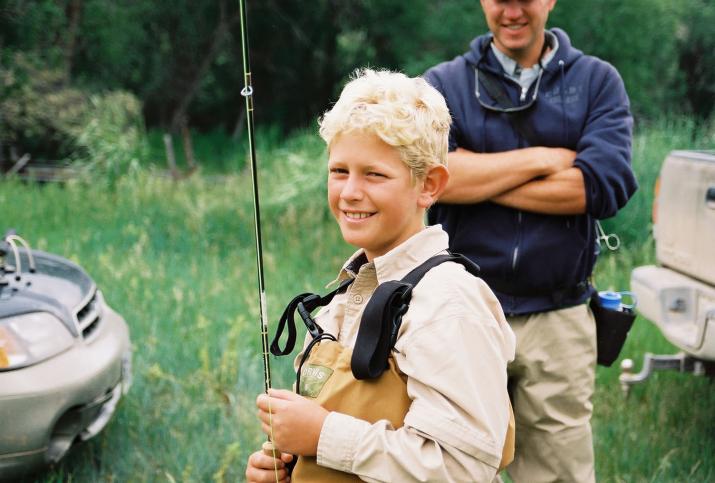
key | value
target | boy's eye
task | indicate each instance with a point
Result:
(377, 174)
(337, 171)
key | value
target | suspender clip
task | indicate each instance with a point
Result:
(311, 302)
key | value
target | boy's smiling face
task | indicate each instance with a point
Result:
(372, 194)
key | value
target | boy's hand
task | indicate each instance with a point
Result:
(262, 467)
(297, 421)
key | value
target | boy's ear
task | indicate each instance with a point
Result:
(433, 185)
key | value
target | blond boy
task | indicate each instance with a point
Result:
(387, 144)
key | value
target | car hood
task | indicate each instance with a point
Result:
(57, 286)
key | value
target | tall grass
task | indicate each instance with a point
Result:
(177, 261)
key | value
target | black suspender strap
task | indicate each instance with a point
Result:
(380, 321)
(382, 317)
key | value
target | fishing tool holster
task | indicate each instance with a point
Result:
(612, 327)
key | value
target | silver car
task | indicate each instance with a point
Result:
(65, 358)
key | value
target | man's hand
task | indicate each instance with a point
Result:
(556, 159)
(296, 421)
(262, 467)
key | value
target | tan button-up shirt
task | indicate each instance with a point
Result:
(453, 346)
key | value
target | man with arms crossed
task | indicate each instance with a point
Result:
(540, 148)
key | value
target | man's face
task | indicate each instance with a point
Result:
(518, 26)
(372, 194)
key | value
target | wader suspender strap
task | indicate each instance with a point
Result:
(380, 322)
(382, 317)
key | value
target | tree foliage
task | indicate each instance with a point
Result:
(696, 49)
(638, 38)
(182, 59)
(38, 111)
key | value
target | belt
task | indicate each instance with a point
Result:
(557, 295)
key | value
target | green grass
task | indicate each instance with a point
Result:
(177, 261)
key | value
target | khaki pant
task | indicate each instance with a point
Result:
(551, 381)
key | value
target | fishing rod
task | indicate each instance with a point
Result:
(247, 93)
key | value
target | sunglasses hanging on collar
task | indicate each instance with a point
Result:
(501, 102)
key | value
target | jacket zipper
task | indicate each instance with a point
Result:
(515, 253)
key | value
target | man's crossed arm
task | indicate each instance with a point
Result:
(538, 179)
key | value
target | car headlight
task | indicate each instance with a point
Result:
(30, 338)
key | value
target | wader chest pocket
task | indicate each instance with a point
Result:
(313, 378)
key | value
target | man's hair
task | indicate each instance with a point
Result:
(406, 113)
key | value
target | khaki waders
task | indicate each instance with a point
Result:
(327, 378)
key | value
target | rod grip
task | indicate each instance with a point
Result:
(270, 449)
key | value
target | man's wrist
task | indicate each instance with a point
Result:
(544, 162)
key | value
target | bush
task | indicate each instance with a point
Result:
(111, 141)
(42, 115)
(39, 112)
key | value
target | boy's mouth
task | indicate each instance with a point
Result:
(357, 215)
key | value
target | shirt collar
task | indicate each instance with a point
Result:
(514, 70)
(399, 261)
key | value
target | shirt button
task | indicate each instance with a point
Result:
(357, 299)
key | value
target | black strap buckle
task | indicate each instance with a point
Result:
(304, 303)
(305, 307)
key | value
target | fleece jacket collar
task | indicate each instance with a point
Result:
(566, 52)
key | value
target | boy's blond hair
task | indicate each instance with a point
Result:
(406, 113)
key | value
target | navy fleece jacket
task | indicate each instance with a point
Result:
(536, 262)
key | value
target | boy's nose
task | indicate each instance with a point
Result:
(352, 189)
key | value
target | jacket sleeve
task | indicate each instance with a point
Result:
(604, 149)
(455, 427)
